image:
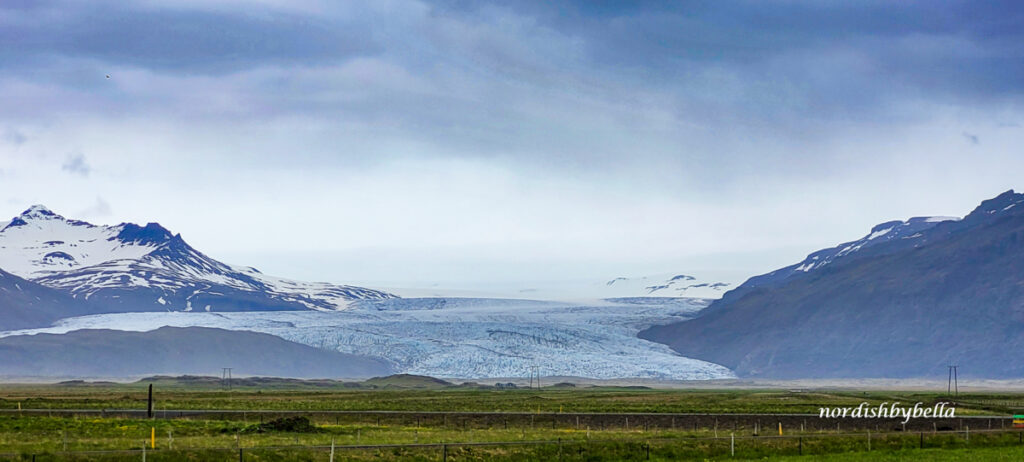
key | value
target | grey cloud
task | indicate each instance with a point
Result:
(843, 59)
(684, 86)
(774, 59)
(971, 138)
(14, 137)
(76, 165)
(174, 40)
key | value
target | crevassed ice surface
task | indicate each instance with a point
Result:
(464, 338)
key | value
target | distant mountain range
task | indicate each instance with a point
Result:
(128, 267)
(675, 285)
(906, 300)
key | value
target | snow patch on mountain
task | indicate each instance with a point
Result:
(884, 232)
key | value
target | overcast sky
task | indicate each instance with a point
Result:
(402, 142)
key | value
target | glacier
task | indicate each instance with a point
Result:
(463, 337)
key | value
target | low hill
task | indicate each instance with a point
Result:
(174, 351)
(406, 381)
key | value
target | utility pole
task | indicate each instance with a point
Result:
(956, 385)
(149, 407)
(952, 385)
(225, 377)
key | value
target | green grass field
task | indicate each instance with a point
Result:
(59, 437)
(177, 395)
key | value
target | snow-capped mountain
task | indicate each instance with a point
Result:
(128, 267)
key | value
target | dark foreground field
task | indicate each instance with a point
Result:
(301, 421)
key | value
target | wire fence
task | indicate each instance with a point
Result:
(681, 448)
(736, 422)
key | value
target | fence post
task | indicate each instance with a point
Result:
(800, 448)
(444, 452)
(869, 440)
(239, 454)
(732, 444)
(921, 445)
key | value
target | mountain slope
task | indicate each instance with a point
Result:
(147, 268)
(25, 304)
(172, 350)
(898, 309)
(896, 234)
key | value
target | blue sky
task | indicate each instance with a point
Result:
(410, 143)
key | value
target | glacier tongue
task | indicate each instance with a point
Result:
(465, 338)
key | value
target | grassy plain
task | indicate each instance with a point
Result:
(61, 437)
